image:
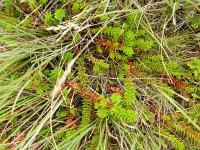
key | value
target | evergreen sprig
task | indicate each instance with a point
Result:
(126, 115)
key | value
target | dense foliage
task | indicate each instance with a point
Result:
(86, 74)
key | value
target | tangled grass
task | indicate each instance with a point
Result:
(86, 74)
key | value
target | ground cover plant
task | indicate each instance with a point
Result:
(85, 74)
